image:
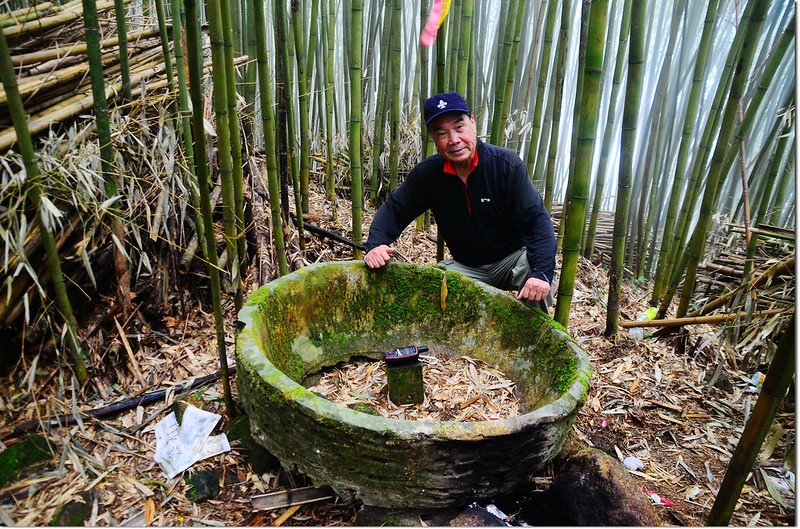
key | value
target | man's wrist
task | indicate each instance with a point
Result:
(538, 274)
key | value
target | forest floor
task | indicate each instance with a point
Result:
(645, 400)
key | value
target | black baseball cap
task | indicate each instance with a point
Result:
(439, 104)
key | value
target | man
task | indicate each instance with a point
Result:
(489, 214)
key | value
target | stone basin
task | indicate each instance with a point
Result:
(328, 313)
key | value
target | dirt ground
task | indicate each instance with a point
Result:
(645, 401)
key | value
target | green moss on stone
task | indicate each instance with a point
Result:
(16, 458)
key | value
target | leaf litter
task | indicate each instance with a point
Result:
(458, 388)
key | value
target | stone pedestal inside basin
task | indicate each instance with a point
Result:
(324, 314)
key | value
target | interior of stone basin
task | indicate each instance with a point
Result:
(329, 313)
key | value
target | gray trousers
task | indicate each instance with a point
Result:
(509, 273)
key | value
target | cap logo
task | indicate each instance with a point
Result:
(441, 104)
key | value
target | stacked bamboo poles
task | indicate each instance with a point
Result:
(31, 168)
(53, 77)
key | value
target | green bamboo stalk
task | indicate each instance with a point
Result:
(185, 114)
(107, 157)
(194, 52)
(223, 129)
(304, 99)
(502, 72)
(287, 52)
(471, 95)
(561, 64)
(122, 32)
(630, 118)
(357, 15)
(779, 201)
(250, 73)
(690, 118)
(231, 100)
(330, 23)
(440, 83)
(751, 25)
(542, 73)
(508, 84)
(766, 193)
(162, 29)
(608, 135)
(395, 95)
(25, 146)
(454, 32)
(776, 384)
(586, 134)
(467, 9)
(379, 128)
(268, 124)
(576, 109)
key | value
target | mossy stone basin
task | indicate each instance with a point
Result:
(328, 313)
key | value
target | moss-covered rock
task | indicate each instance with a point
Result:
(203, 485)
(325, 314)
(74, 513)
(29, 451)
(259, 458)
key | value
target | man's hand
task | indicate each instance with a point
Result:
(533, 289)
(378, 256)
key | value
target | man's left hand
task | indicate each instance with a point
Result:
(534, 290)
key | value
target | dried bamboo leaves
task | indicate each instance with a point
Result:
(459, 389)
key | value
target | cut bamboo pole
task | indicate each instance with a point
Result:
(76, 49)
(74, 13)
(779, 376)
(697, 320)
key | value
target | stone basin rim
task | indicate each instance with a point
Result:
(314, 404)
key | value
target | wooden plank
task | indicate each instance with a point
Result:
(288, 498)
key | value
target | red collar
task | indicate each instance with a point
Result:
(448, 165)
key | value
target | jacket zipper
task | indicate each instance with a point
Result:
(466, 195)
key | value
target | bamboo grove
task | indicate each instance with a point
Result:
(675, 116)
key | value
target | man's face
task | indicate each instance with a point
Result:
(455, 137)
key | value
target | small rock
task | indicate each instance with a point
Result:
(74, 513)
(29, 451)
(260, 459)
(592, 488)
(203, 485)
(476, 516)
(633, 463)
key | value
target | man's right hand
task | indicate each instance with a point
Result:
(378, 256)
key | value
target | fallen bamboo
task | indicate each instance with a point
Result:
(110, 410)
(696, 320)
(63, 17)
(76, 49)
(329, 234)
(69, 108)
(764, 233)
(26, 14)
(775, 270)
(18, 13)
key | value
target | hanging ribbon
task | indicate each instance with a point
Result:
(438, 13)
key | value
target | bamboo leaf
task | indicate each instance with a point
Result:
(108, 202)
(120, 247)
(771, 488)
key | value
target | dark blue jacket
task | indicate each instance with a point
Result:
(495, 214)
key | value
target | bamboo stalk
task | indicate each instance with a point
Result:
(697, 320)
(32, 170)
(202, 169)
(779, 376)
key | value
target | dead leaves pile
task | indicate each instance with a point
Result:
(459, 389)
